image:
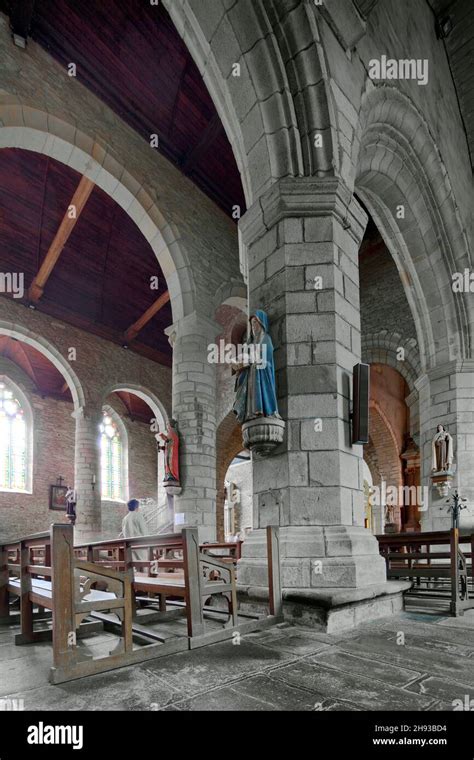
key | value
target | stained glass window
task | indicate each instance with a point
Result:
(111, 460)
(13, 442)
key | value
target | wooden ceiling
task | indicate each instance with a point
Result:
(136, 408)
(101, 280)
(47, 380)
(130, 55)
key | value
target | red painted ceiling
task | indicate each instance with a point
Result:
(46, 378)
(48, 381)
(137, 409)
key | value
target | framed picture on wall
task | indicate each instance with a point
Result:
(57, 497)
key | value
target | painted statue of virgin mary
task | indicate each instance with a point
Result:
(255, 392)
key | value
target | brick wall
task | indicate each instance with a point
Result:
(53, 455)
(241, 475)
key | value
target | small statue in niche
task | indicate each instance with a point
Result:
(442, 450)
(255, 391)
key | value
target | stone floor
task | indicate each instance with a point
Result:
(411, 661)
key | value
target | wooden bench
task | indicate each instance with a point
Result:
(435, 563)
(98, 582)
(163, 572)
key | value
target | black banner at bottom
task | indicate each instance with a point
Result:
(120, 734)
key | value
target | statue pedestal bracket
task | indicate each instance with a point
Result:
(262, 435)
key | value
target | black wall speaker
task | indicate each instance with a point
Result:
(360, 403)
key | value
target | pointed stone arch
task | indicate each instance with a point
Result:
(397, 163)
(383, 348)
(272, 109)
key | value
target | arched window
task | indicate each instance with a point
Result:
(113, 452)
(15, 439)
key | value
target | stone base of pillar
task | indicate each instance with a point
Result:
(331, 611)
(332, 577)
(315, 557)
(82, 535)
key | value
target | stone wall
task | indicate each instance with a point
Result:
(241, 475)
(383, 303)
(53, 455)
(228, 445)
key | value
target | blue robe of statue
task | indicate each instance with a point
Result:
(255, 385)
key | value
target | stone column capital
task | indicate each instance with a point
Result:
(300, 197)
(88, 412)
(448, 369)
(193, 324)
(412, 399)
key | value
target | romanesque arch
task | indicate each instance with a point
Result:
(146, 395)
(384, 347)
(30, 128)
(52, 353)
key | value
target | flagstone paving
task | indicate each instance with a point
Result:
(411, 661)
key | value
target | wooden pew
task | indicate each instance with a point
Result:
(433, 558)
(163, 573)
(47, 571)
(228, 552)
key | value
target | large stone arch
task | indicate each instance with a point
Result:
(30, 128)
(272, 110)
(384, 347)
(398, 163)
(232, 293)
(145, 394)
(46, 348)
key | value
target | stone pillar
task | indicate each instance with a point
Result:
(194, 406)
(447, 398)
(302, 240)
(87, 471)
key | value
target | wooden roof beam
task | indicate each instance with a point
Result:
(79, 200)
(29, 367)
(138, 326)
